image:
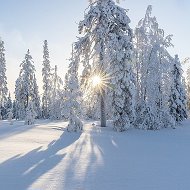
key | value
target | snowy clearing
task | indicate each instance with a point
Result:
(46, 157)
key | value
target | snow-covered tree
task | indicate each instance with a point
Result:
(9, 103)
(3, 78)
(64, 102)
(27, 77)
(36, 98)
(55, 96)
(104, 45)
(188, 83)
(7, 107)
(123, 97)
(30, 114)
(177, 101)
(26, 88)
(152, 71)
(19, 101)
(120, 53)
(46, 73)
(14, 110)
(73, 94)
(92, 1)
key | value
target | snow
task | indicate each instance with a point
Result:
(46, 156)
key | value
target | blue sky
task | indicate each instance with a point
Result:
(25, 24)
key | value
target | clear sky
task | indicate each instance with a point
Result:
(24, 24)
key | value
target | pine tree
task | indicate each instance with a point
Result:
(36, 98)
(3, 80)
(177, 101)
(46, 73)
(14, 110)
(123, 98)
(72, 97)
(7, 107)
(123, 80)
(19, 100)
(26, 88)
(188, 83)
(55, 96)
(9, 103)
(106, 39)
(64, 103)
(27, 74)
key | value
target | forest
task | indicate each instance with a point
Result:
(117, 120)
(115, 73)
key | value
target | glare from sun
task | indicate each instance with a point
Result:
(96, 81)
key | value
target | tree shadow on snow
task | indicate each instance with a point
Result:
(18, 127)
(19, 172)
(92, 160)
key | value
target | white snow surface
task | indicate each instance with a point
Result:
(45, 156)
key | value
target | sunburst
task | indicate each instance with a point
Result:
(97, 82)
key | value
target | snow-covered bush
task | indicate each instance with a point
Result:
(10, 117)
(75, 124)
(30, 114)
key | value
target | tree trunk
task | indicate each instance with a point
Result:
(102, 109)
(27, 100)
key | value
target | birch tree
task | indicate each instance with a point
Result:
(152, 71)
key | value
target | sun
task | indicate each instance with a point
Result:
(96, 81)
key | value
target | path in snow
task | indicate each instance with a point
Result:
(46, 157)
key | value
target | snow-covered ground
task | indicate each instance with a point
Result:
(46, 157)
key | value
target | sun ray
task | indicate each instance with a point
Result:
(98, 80)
